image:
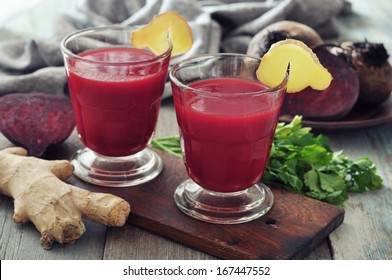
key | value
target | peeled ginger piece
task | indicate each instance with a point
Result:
(305, 68)
(163, 27)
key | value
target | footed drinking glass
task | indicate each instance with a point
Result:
(116, 93)
(227, 120)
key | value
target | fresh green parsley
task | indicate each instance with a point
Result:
(305, 164)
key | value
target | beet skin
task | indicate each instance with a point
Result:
(332, 103)
(36, 120)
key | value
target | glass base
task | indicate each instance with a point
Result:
(223, 208)
(117, 171)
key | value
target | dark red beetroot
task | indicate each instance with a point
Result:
(330, 104)
(36, 120)
(370, 62)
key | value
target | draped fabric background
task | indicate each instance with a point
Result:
(36, 64)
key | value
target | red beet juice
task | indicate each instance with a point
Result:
(226, 140)
(115, 102)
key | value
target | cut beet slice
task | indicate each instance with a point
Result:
(36, 120)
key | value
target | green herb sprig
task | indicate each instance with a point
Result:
(169, 144)
(305, 164)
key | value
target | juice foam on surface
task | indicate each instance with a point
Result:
(121, 70)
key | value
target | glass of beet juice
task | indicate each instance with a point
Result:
(227, 120)
(116, 93)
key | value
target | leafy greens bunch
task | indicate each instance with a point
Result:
(303, 163)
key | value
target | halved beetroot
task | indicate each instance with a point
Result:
(36, 120)
(332, 103)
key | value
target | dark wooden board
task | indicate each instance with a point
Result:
(293, 227)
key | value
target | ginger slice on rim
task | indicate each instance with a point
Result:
(163, 26)
(305, 67)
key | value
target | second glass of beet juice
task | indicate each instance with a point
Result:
(116, 93)
(227, 120)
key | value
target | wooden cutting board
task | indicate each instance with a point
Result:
(293, 227)
(290, 230)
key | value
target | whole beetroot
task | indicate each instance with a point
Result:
(36, 120)
(282, 30)
(370, 62)
(332, 103)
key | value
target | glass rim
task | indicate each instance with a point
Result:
(182, 63)
(91, 30)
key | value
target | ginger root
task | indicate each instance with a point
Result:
(53, 206)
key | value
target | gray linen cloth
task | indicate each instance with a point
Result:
(36, 65)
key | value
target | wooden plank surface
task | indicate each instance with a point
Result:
(366, 232)
(370, 21)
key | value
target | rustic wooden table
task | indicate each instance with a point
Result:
(366, 232)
